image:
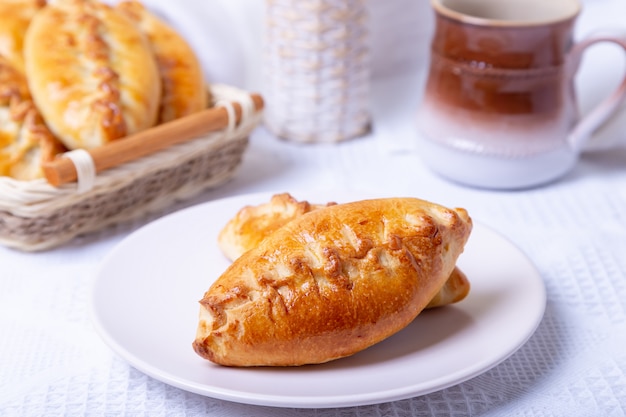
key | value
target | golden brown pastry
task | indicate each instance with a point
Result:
(91, 72)
(330, 283)
(184, 90)
(15, 16)
(455, 289)
(25, 141)
(252, 224)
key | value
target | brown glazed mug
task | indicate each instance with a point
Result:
(499, 107)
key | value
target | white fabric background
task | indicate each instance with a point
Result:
(53, 364)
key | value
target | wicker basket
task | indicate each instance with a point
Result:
(316, 69)
(35, 215)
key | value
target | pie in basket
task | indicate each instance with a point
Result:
(91, 72)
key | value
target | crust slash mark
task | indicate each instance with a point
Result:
(97, 57)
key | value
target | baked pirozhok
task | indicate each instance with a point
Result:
(183, 88)
(25, 140)
(15, 17)
(331, 283)
(87, 73)
(91, 73)
(252, 224)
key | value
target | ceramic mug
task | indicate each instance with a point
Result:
(499, 107)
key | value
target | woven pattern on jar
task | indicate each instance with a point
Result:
(316, 69)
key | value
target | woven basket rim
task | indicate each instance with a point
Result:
(32, 198)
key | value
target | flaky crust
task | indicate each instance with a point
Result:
(252, 224)
(183, 87)
(330, 283)
(25, 140)
(91, 72)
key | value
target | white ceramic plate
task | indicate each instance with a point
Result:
(145, 308)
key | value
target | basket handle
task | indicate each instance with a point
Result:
(62, 169)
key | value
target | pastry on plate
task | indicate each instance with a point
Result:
(183, 87)
(91, 72)
(25, 141)
(331, 283)
(252, 224)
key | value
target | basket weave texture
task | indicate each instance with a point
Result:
(35, 215)
(316, 69)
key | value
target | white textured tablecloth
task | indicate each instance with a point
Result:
(52, 363)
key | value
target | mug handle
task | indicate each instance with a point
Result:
(587, 125)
